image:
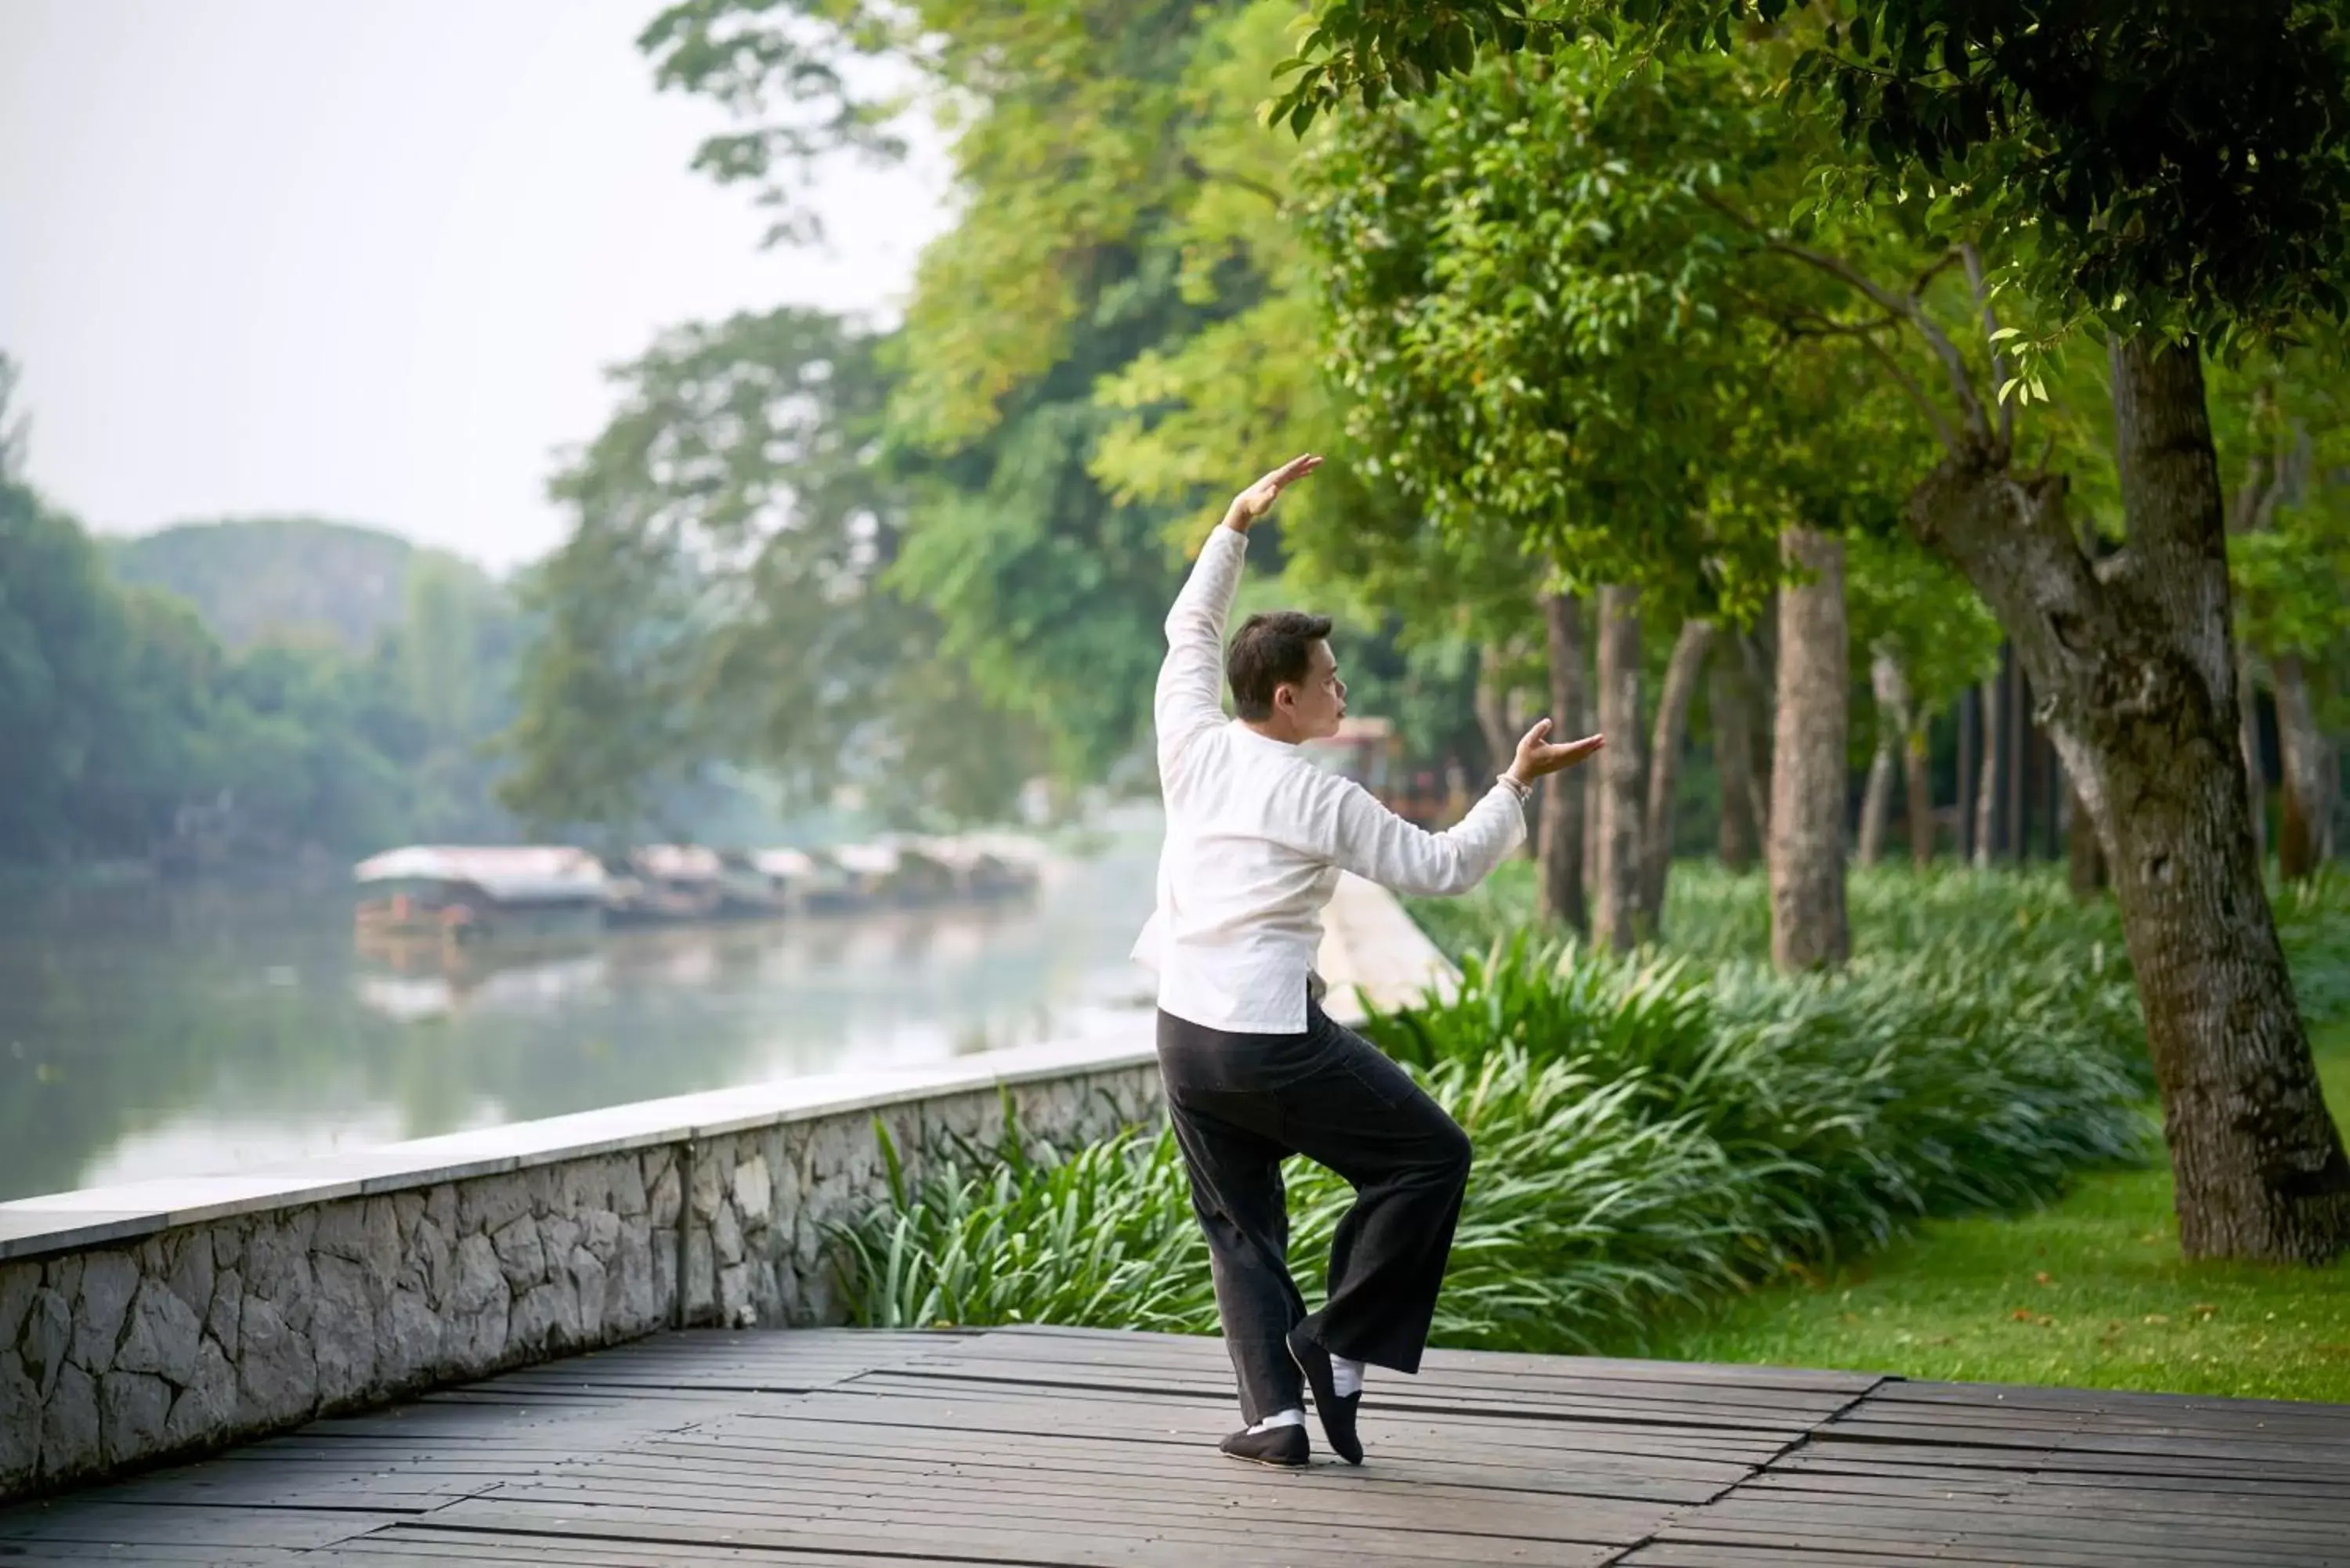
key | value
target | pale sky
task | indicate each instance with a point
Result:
(367, 259)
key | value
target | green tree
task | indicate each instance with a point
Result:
(2172, 174)
(722, 595)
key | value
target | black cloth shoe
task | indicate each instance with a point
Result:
(1283, 1447)
(1336, 1410)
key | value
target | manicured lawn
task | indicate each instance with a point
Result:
(2090, 1292)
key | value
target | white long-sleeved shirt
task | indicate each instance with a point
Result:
(1257, 835)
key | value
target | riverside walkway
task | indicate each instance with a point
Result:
(1046, 1448)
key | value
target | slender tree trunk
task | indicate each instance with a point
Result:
(1760, 648)
(2248, 737)
(1682, 672)
(1493, 709)
(1892, 694)
(1731, 705)
(1986, 784)
(2086, 866)
(1919, 796)
(2305, 834)
(1617, 918)
(1559, 852)
(2133, 661)
(1875, 804)
(1807, 759)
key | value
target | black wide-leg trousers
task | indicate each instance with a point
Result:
(1241, 1104)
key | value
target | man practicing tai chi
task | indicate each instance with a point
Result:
(1254, 1070)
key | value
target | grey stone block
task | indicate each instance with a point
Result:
(522, 1257)
(163, 1336)
(754, 1191)
(276, 1375)
(193, 1271)
(701, 1275)
(601, 1234)
(69, 1425)
(228, 1244)
(491, 1203)
(661, 1170)
(133, 1409)
(479, 1280)
(627, 1186)
(410, 1338)
(631, 1304)
(558, 1234)
(727, 1235)
(342, 1329)
(20, 1423)
(47, 1337)
(431, 1264)
(589, 1289)
(708, 1182)
(108, 1282)
(734, 1307)
(545, 1318)
(18, 1281)
(225, 1321)
(206, 1407)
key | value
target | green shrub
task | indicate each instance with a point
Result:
(1649, 1134)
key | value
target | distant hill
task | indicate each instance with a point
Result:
(285, 576)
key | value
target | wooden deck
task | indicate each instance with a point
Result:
(1051, 1448)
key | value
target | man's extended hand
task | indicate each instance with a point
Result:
(1537, 758)
(1257, 500)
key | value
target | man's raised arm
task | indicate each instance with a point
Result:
(1192, 679)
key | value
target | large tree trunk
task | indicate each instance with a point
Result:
(1682, 673)
(1559, 850)
(2085, 861)
(1616, 917)
(1807, 766)
(1731, 705)
(2305, 834)
(2131, 657)
(2248, 737)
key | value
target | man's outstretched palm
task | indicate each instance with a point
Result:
(1538, 758)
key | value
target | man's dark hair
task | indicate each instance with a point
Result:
(1272, 650)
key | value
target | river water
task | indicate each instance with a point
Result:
(184, 1031)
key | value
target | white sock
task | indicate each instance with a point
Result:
(1345, 1376)
(1280, 1418)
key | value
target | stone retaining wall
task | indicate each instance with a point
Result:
(202, 1334)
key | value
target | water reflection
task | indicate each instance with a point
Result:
(158, 1032)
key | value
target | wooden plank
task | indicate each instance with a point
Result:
(1348, 1498)
(90, 1517)
(1038, 1545)
(1696, 1555)
(1326, 1509)
(1058, 1409)
(1391, 1393)
(1492, 1361)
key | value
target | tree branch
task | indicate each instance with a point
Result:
(1991, 341)
(1943, 431)
(1207, 176)
(1907, 306)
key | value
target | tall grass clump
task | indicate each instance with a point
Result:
(1652, 1132)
